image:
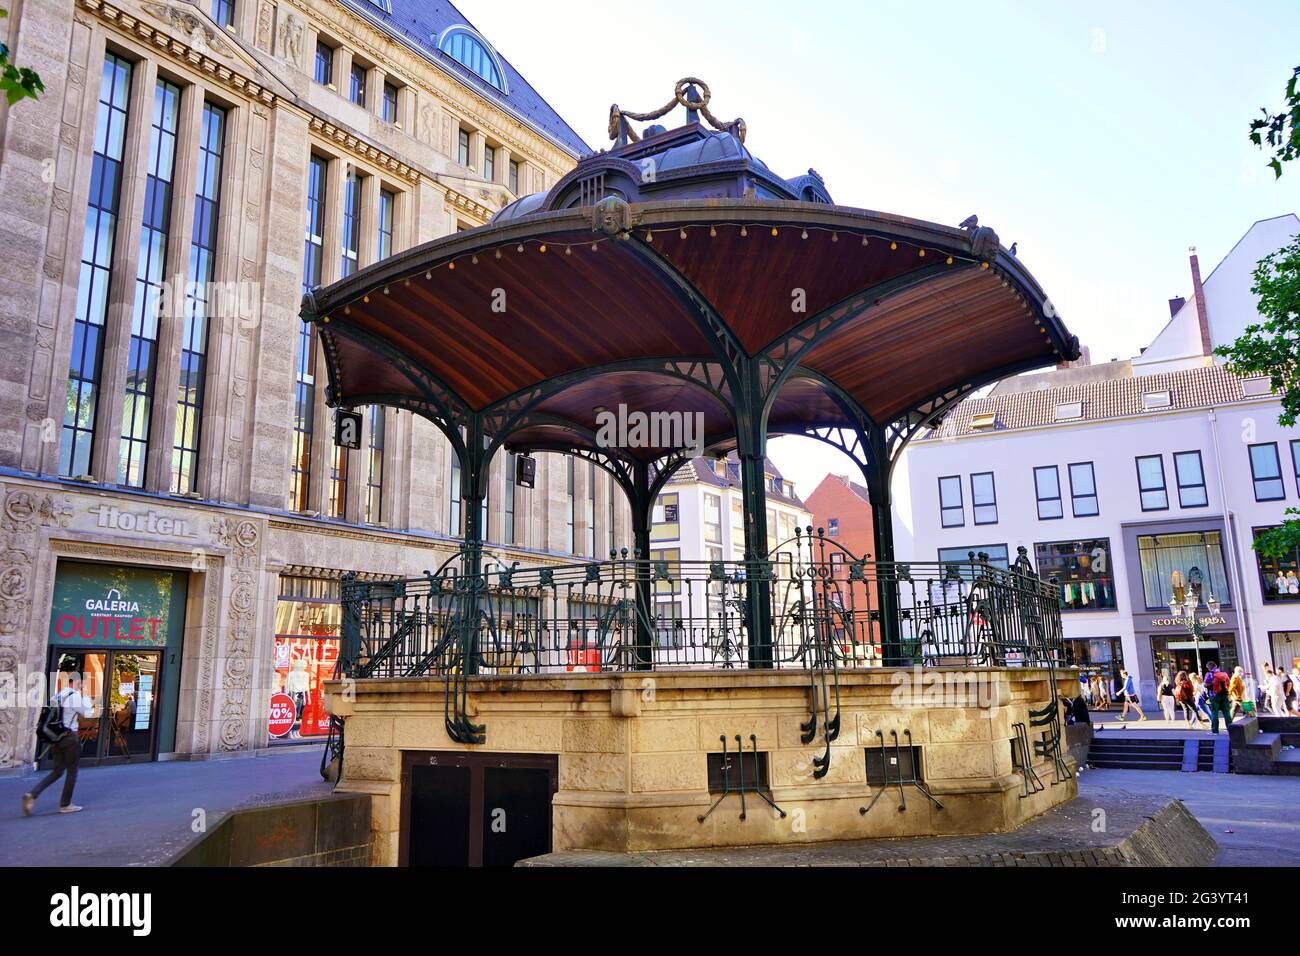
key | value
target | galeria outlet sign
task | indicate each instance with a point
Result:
(100, 604)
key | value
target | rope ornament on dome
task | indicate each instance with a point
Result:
(618, 118)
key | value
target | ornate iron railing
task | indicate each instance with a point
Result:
(828, 610)
(633, 614)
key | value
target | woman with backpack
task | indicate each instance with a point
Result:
(1185, 694)
(58, 728)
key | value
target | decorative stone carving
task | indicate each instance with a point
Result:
(201, 35)
(984, 243)
(262, 36)
(243, 539)
(291, 38)
(611, 216)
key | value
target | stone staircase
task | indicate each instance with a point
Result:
(1266, 745)
(1120, 751)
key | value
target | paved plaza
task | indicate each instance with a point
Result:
(141, 815)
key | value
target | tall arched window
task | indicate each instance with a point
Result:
(472, 51)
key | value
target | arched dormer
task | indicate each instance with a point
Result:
(467, 47)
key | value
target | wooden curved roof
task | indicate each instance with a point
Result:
(541, 321)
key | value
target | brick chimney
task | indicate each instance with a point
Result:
(1202, 317)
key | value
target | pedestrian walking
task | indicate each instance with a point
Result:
(59, 731)
(1219, 701)
(1237, 692)
(1165, 694)
(1200, 698)
(1276, 692)
(1128, 694)
(1186, 695)
(1100, 696)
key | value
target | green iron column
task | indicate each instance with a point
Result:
(643, 503)
(473, 491)
(752, 451)
(877, 472)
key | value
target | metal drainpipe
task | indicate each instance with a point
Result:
(1230, 521)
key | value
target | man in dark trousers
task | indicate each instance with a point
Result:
(66, 751)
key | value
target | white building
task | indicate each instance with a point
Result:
(1129, 478)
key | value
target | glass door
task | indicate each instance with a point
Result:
(129, 722)
(121, 689)
(91, 666)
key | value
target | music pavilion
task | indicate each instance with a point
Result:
(675, 273)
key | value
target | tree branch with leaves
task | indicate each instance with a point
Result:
(1281, 130)
(1272, 348)
(17, 83)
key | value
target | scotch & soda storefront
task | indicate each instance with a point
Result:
(121, 628)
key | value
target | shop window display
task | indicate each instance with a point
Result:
(308, 619)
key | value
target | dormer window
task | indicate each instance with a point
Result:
(1067, 411)
(1152, 400)
(983, 421)
(473, 52)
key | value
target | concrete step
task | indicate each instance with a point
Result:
(1287, 763)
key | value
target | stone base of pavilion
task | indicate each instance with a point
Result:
(633, 752)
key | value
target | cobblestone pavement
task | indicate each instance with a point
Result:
(1255, 819)
(141, 814)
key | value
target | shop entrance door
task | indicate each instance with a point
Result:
(123, 689)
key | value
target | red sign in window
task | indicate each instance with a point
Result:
(283, 715)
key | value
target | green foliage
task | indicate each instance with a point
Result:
(1280, 130)
(1272, 347)
(17, 83)
(1281, 541)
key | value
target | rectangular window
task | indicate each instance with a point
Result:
(462, 146)
(200, 303)
(1151, 483)
(375, 467)
(454, 525)
(78, 432)
(304, 392)
(984, 498)
(1083, 569)
(833, 527)
(1047, 486)
(1174, 563)
(1295, 463)
(737, 529)
(388, 109)
(513, 182)
(508, 512)
(151, 272)
(951, 512)
(352, 187)
(1190, 477)
(357, 86)
(387, 205)
(489, 163)
(571, 544)
(664, 520)
(1280, 576)
(324, 67)
(338, 503)
(1083, 490)
(997, 557)
(1266, 471)
(591, 508)
(223, 11)
(712, 518)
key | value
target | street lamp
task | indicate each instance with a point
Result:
(1188, 613)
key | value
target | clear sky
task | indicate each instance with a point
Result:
(1104, 138)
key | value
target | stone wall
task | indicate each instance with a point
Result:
(633, 753)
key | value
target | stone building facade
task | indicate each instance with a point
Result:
(173, 509)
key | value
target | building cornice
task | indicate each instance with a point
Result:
(187, 54)
(361, 149)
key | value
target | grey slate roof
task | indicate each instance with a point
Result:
(418, 23)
